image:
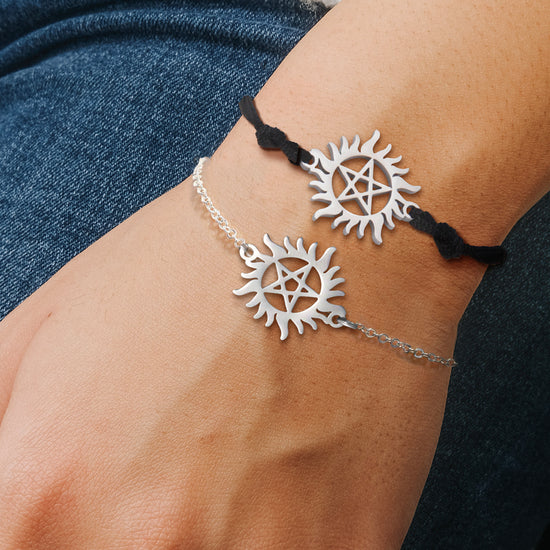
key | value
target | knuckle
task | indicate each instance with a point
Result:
(37, 498)
(158, 523)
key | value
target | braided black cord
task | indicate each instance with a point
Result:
(270, 137)
(450, 244)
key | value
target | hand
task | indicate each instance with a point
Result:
(148, 410)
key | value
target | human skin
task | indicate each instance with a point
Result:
(143, 407)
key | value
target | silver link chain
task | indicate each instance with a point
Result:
(223, 223)
(231, 233)
(383, 338)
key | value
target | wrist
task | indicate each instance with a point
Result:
(400, 282)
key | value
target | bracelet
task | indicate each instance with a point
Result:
(353, 205)
(293, 284)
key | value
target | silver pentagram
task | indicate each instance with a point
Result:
(365, 175)
(361, 187)
(284, 276)
(292, 285)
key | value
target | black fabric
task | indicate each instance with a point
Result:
(450, 244)
(270, 137)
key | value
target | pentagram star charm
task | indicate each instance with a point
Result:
(285, 275)
(292, 285)
(325, 168)
(365, 175)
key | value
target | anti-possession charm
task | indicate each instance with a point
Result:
(298, 293)
(355, 203)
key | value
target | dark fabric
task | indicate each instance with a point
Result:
(106, 105)
(489, 486)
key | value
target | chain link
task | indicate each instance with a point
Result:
(223, 223)
(396, 343)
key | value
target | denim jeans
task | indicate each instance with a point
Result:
(106, 105)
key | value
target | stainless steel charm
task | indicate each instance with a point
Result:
(353, 202)
(292, 285)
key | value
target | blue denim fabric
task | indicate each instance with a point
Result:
(106, 105)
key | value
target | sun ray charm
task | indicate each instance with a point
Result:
(292, 285)
(355, 204)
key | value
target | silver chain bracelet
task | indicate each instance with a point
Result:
(395, 343)
(292, 285)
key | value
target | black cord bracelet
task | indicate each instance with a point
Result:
(449, 243)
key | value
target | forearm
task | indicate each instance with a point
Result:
(460, 94)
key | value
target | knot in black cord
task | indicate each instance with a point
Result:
(269, 137)
(450, 244)
(422, 220)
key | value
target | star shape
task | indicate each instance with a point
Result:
(290, 297)
(365, 175)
